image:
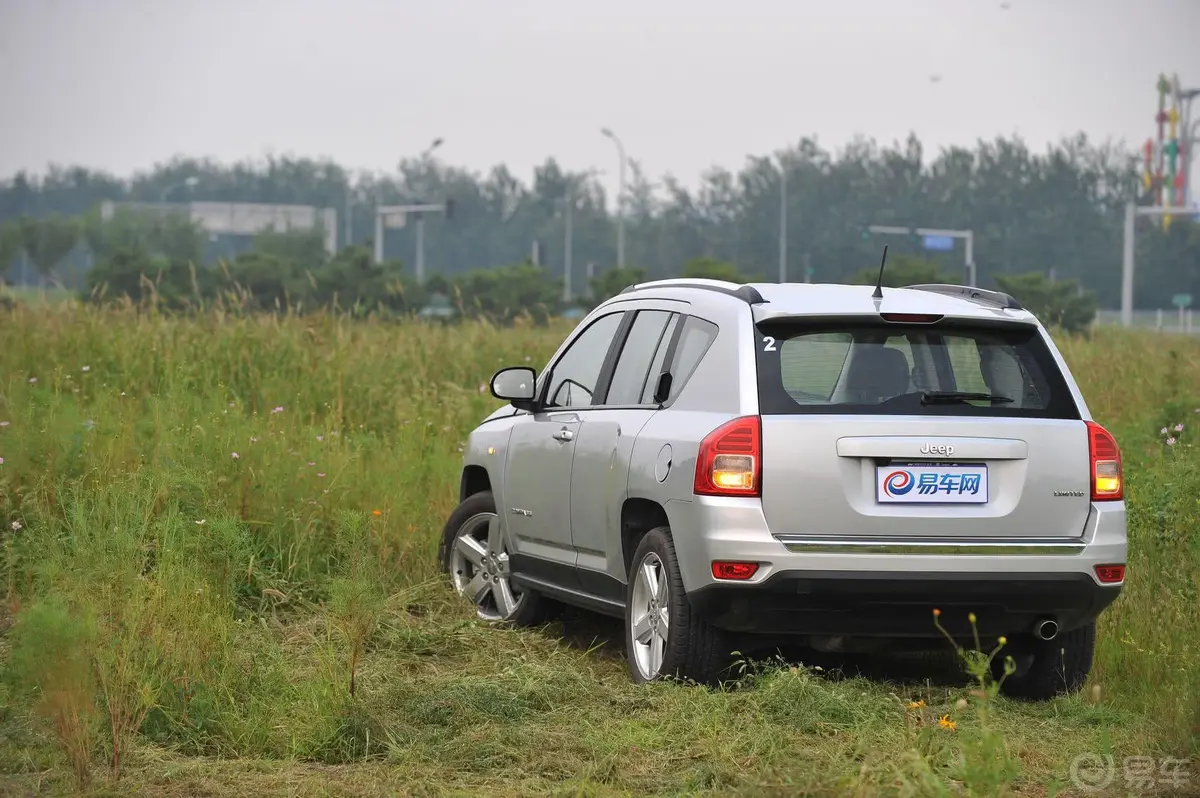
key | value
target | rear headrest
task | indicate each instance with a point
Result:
(876, 373)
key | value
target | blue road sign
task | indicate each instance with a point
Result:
(939, 243)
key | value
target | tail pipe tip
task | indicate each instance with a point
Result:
(1046, 629)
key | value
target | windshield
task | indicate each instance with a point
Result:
(951, 368)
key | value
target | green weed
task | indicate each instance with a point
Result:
(219, 548)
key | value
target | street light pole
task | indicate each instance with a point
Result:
(783, 220)
(620, 197)
(420, 231)
(568, 245)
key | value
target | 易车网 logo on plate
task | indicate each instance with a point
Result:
(962, 484)
(898, 483)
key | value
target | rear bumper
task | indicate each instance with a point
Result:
(875, 604)
(889, 587)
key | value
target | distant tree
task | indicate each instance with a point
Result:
(352, 278)
(712, 269)
(172, 236)
(611, 282)
(303, 249)
(902, 270)
(10, 245)
(133, 272)
(270, 281)
(1056, 303)
(1058, 209)
(503, 294)
(48, 240)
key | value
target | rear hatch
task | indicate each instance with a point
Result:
(875, 429)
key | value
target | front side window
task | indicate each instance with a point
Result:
(950, 368)
(574, 377)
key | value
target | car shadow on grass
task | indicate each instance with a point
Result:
(604, 637)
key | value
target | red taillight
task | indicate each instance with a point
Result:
(729, 462)
(1107, 481)
(734, 570)
(911, 318)
(1110, 574)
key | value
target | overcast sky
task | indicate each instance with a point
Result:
(123, 84)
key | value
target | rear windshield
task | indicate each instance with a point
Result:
(951, 368)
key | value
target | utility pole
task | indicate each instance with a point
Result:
(783, 220)
(620, 197)
(420, 231)
(937, 235)
(568, 246)
(568, 233)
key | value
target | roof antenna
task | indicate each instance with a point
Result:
(879, 283)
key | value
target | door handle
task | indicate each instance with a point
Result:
(564, 434)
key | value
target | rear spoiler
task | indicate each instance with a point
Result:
(982, 295)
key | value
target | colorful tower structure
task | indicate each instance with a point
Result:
(1164, 159)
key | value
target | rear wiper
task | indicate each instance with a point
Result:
(935, 397)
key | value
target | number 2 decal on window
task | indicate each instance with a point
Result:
(768, 344)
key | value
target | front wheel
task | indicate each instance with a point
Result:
(663, 636)
(476, 556)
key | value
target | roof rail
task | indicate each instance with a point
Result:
(747, 293)
(983, 295)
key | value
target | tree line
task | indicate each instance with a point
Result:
(1057, 213)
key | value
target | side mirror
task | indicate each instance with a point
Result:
(517, 385)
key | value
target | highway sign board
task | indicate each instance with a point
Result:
(939, 243)
(1181, 300)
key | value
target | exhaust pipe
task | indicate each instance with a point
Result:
(1046, 630)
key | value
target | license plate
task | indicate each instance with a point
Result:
(935, 483)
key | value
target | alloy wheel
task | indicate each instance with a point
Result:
(649, 616)
(479, 567)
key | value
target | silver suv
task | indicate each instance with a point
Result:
(723, 465)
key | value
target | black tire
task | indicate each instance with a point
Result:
(532, 608)
(1054, 667)
(695, 649)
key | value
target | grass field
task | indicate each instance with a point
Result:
(210, 525)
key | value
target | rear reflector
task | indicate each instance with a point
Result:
(911, 318)
(1107, 481)
(1108, 574)
(734, 570)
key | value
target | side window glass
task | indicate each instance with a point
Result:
(694, 341)
(629, 377)
(659, 364)
(574, 377)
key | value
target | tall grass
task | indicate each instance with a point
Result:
(219, 544)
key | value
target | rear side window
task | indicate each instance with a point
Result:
(694, 340)
(953, 368)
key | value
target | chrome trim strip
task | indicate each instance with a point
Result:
(985, 547)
